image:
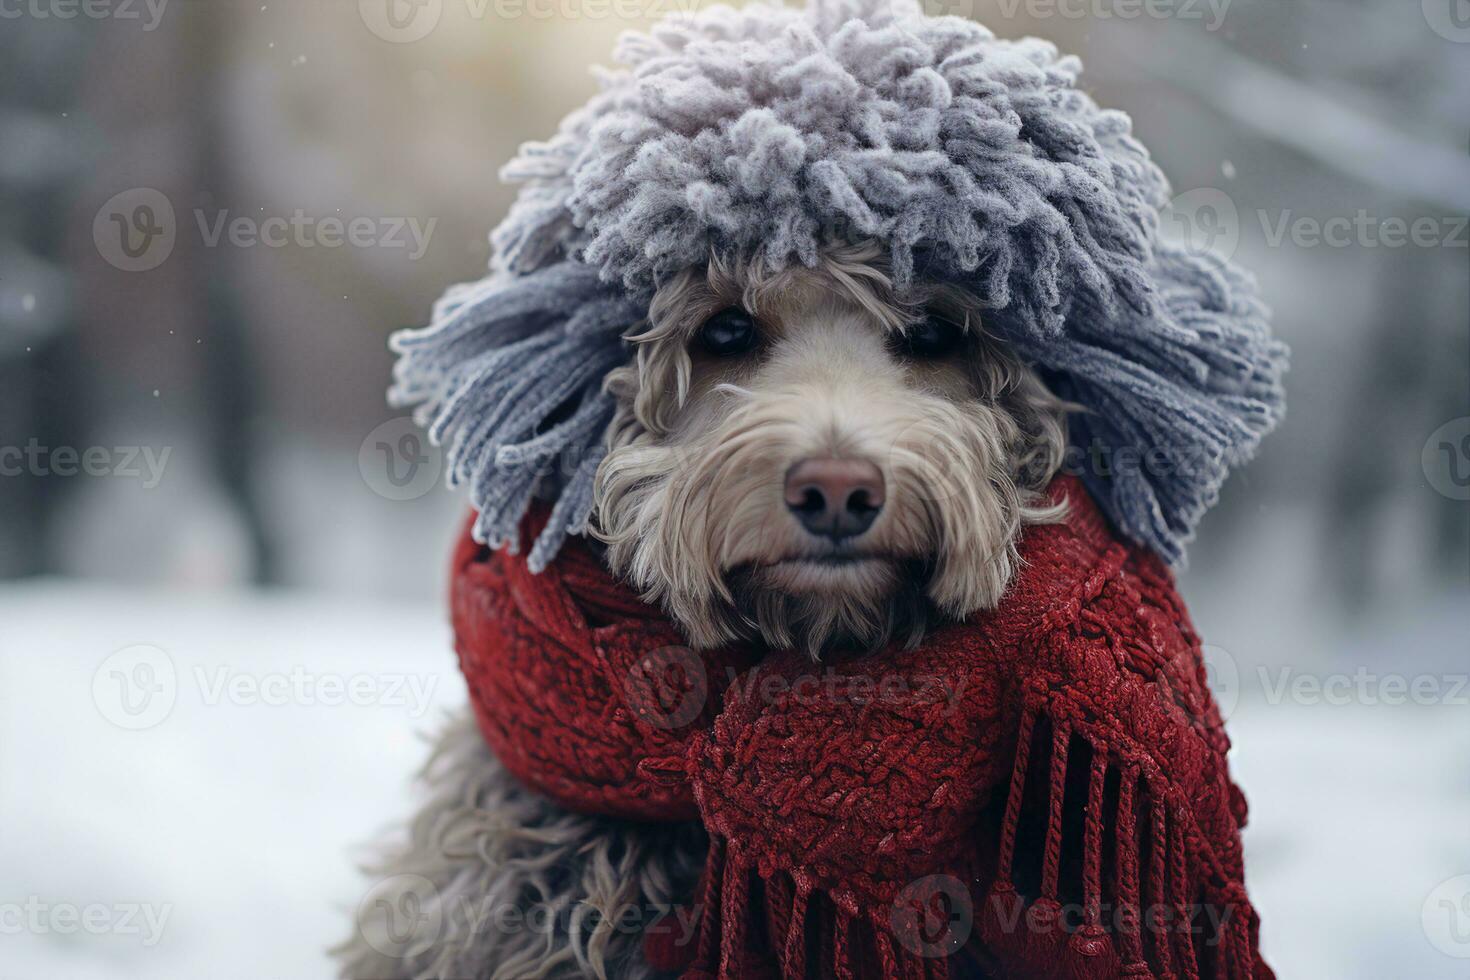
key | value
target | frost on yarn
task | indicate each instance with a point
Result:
(509, 378)
(770, 131)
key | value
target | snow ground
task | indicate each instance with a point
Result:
(215, 839)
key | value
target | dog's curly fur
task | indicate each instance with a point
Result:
(689, 499)
(494, 881)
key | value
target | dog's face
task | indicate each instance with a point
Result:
(804, 457)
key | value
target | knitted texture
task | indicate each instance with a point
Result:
(1059, 761)
(769, 132)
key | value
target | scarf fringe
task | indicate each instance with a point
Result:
(1121, 883)
(1125, 905)
(813, 932)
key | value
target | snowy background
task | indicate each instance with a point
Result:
(204, 500)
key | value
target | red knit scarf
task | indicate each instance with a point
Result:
(1040, 792)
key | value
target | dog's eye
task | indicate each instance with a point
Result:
(729, 332)
(932, 337)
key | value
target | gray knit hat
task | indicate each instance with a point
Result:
(770, 131)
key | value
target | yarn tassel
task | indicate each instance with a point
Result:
(734, 911)
(1092, 939)
(793, 955)
(1126, 856)
(777, 895)
(887, 957)
(1240, 936)
(1184, 927)
(1005, 867)
(1052, 851)
(708, 947)
(1158, 883)
(1133, 858)
(841, 948)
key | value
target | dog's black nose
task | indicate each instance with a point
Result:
(835, 498)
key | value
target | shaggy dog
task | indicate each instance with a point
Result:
(799, 458)
(811, 306)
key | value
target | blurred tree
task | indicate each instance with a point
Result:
(45, 155)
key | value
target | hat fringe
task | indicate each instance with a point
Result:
(508, 377)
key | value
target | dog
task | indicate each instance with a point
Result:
(819, 303)
(800, 458)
